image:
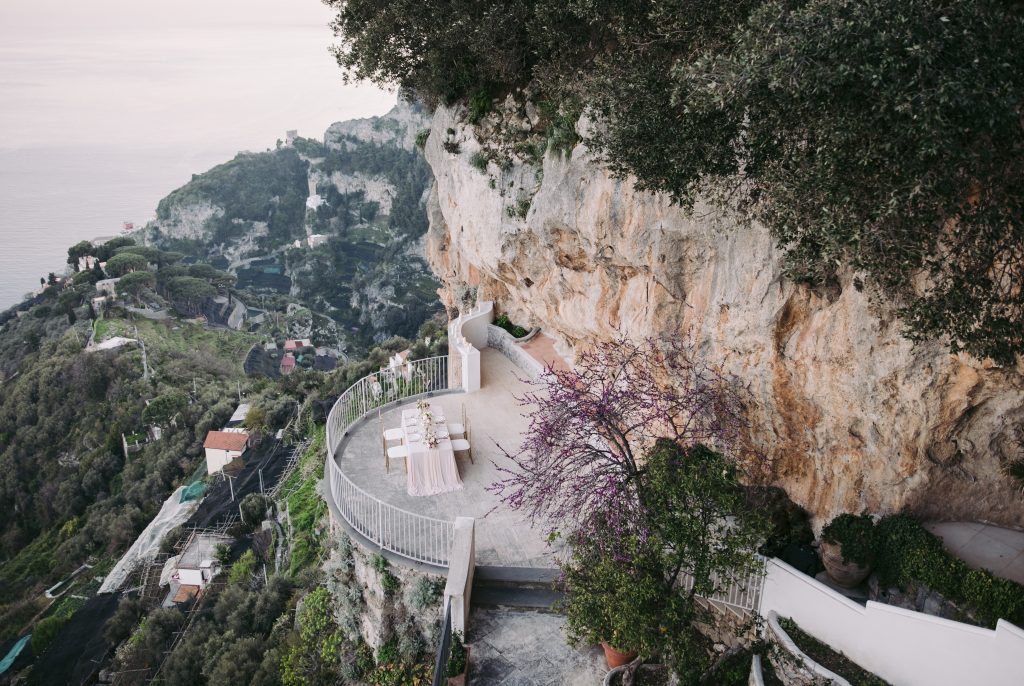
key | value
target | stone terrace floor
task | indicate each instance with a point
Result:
(516, 648)
(503, 537)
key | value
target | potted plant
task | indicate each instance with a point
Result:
(458, 661)
(848, 546)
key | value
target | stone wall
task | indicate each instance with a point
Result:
(368, 605)
(852, 415)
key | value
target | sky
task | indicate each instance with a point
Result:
(108, 105)
(143, 72)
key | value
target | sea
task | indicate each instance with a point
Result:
(107, 106)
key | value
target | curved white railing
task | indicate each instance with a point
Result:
(413, 536)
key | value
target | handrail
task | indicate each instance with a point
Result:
(408, 534)
(444, 649)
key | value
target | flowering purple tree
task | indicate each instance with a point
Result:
(590, 426)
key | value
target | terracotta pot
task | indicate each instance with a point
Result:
(846, 574)
(460, 680)
(616, 658)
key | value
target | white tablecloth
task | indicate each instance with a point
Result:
(431, 470)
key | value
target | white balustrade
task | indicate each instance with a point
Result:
(411, 535)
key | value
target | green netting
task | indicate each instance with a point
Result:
(194, 490)
(196, 484)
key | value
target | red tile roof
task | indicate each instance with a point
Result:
(226, 440)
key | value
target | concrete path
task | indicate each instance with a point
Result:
(542, 348)
(999, 550)
(522, 648)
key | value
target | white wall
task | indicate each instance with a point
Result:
(191, 577)
(467, 335)
(461, 565)
(903, 647)
(216, 459)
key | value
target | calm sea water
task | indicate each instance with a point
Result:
(107, 106)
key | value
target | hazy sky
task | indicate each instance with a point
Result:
(108, 105)
(170, 72)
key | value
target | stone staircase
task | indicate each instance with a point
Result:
(522, 588)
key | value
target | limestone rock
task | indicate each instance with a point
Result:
(852, 415)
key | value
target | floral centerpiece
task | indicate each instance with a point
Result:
(427, 421)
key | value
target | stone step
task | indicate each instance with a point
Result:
(540, 578)
(520, 598)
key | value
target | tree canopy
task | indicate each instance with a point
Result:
(123, 263)
(880, 136)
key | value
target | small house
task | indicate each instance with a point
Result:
(107, 286)
(288, 363)
(197, 564)
(293, 344)
(222, 447)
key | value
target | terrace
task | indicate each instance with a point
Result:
(373, 503)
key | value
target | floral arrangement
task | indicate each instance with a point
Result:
(427, 420)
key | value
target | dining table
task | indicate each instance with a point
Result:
(432, 468)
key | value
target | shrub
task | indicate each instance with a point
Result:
(452, 147)
(479, 106)
(519, 210)
(855, 535)
(457, 658)
(45, 631)
(388, 581)
(504, 322)
(1015, 471)
(479, 161)
(910, 555)
(426, 592)
(243, 568)
(421, 138)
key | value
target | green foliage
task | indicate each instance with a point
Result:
(909, 555)
(478, 160)
(313, 658)
(243, 569)
(45, 631)
(123, 263)
(504, 322)
(388, 581)
(80, 249)
(133, 283)
(519, 209)
(457, 658)
(164, 407)
(266, 187)
(105, 251)
(305, 506)
(479, 106)
(421, 138)
(855, 535)
(621, 581)
(883, 136)
(426, 592)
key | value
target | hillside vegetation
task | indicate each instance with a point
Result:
(356, 259)
(880, 136)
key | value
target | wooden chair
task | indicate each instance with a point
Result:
(399, 451)
(388, 436)
(460, 445)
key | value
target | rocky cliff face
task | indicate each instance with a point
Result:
(852, 415)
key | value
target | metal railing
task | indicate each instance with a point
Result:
(444, 650)
(742, 592)
(411, 535)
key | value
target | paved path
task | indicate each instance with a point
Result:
(999, 550)
(522, 648)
